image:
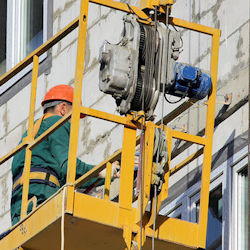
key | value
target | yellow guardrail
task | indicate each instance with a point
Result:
(171, 228)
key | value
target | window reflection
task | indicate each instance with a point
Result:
(3, 23)
(32, 26)
(214, 223)
(242, 210)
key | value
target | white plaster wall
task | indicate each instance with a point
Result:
(97, 140)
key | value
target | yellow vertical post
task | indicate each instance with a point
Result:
(148, 159)
(74, 130)
(126, 183)
(28, 153)
(144, 196)
(164, 192)
(127, 168)
(107, 181)
(146, 169)
(205, 180)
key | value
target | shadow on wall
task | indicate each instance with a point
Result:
(228, 149)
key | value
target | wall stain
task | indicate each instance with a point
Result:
(5, 197)
(233, 74)
(91, 144)
(5, 119)
(239, 53)
(214, 9)
(93, 64)
(59, 11)
(86, 131)
(87, 51)
(69, 4)
(107, 149)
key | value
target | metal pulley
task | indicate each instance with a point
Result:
(160, 158)
(135, 70)
(127, 69)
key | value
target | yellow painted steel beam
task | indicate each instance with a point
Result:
(39, 51)
(193, 26)
(76, 106)
(28, 152)
(13, 152)
(107, 212)
(148, 147)
(49, 131)
(126, 184)
(188, 137)
(121, 6)
(33, 224)
(175, 230)
(32, 143)
(205, 178)
(90, 174)
(161, 4)
(107, 181)
(127, 168)
(188, 160)
(110, 117)
(99, 210)
(98, 168)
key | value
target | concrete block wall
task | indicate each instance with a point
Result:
(98, 139)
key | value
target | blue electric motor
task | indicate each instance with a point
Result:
(189, 82)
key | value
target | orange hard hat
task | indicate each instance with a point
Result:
(60, 92)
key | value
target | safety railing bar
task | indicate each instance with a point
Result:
(13, 152)
(121, 6)
(98, 168)
(186, 161)
(193, 26)
(188, 137)
(34, 143)
(176, 112)
(109, 117)
(28, 152)
(107, 181)
(39, 51)
(49, 131)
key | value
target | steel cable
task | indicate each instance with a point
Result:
(161, 130)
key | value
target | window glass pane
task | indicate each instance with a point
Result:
(3, 23)
(242, 211)
(214, 223)
(31, 26)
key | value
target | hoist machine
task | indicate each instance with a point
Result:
(139, 71)
(144, 64)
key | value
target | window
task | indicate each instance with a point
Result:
(214, 222)
(242, 210)
(31, 26)
(25, 25)
(228, 201)
(240, 202)
(3, 24)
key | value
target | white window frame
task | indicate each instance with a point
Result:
(13, 39)
(225, 174)
(237, 168)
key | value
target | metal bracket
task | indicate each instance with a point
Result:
(227, 99)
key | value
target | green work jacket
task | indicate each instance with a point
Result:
(51, 153)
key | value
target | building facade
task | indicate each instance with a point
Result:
(27, 24)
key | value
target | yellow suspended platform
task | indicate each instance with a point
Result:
(73, 220)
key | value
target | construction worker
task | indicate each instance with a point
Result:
(49, 157)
